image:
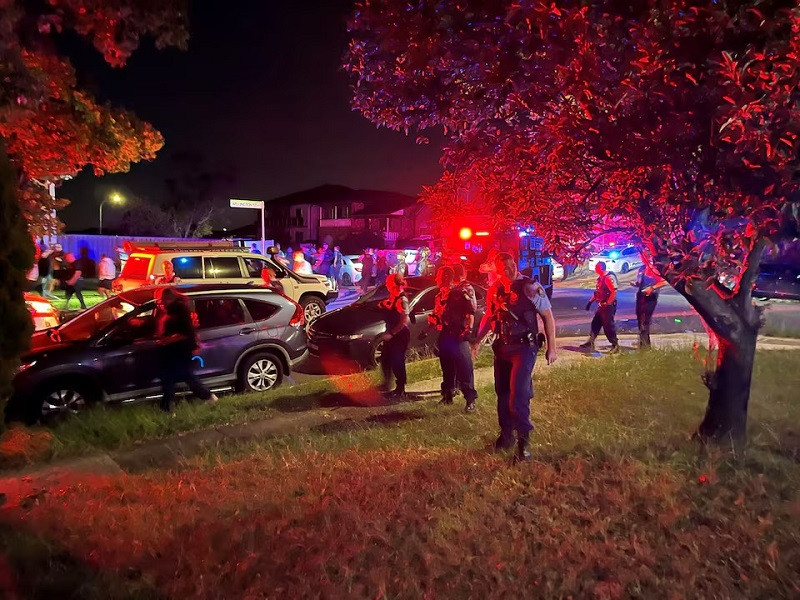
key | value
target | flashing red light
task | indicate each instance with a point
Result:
(482, 233)
(465, 233)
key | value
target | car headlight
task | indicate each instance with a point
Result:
(349, 337)
(25, 366)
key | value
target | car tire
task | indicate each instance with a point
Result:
(347, 281)
(625, 268)
(377, 352)
(260, 372)
(63, 396)
(313, 308)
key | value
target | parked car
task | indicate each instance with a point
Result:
(43, 313)
(558, 270)
(250, 337)
(351, 270)
(225, 265)
(776, 280)
(618, 260)
(352, 332)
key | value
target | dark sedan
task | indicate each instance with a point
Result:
(249, 336)
(352, 332)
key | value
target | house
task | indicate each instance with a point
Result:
(333, 213)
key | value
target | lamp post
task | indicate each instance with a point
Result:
(115, 198)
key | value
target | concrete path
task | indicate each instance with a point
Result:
(24, 485)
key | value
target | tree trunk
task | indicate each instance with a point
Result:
(729, 385)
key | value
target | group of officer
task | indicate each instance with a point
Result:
(513, 304)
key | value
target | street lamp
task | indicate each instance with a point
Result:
(115, 198)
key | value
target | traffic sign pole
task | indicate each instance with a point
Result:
(238, 203)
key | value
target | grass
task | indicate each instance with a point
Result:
(618, 503)
(90, 297)
(114, 427)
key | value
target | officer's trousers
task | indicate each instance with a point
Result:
(513, 370)
(393, 358)
(645, 306)
(604, 318)
(457, 371)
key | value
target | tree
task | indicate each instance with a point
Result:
(678, 121)
(51, 129)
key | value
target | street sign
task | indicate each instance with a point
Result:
(236, 203)
(257, 204)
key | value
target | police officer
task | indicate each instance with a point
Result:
(458, 322)
(444, 280)
(397, 336)
(605, 294)
(513, 304)
(647, 285)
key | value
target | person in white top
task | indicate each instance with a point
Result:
(106, 273)
(301, 265)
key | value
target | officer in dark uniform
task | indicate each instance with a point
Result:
(647, 285)
(458, 322)
(605, 294)
(397, 336)
(513, 305)
(444, 280)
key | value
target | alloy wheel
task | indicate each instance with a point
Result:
(62, 400)
(262, 374)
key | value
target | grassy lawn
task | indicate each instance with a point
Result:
(113, 427)
(90, 297)
(617, 503)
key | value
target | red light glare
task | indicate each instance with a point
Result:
(465, 233)
(482, 233)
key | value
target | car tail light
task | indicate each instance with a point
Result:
(298, 318)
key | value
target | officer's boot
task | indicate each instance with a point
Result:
(589, 344)
(522, 454)
(504, 441)
(447, 397)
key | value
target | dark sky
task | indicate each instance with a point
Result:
(259, 89)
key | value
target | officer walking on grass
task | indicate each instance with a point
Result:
(605, 294)
(647, 285)
(513, 304)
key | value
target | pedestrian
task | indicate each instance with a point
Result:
(458, 323)
(513, 304)
(270, 280)
(33, 277)
(168, 277)
(444, 281)
(488, 267)
(254, 248)
(366, 269)
(336, 264)
(605, 294)
(73, 282)
(106, 272)
(401, 268)
(46, 268)
(324, 261)
(301, 266)
(397, 336)
(177, 340)
(381, 268)
(279, 254)
(647, 285)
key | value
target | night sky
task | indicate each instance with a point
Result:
(260, 90)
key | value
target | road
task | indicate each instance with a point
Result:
(673, 315)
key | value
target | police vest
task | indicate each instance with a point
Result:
(516, 320)
(602, 291)
(458, 309)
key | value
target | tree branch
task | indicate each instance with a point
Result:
(744, 297)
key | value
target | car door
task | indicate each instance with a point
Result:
(222, 269)
(253, 265)
(291, 287)
(422, 307)
(131, 360)
(224, 330)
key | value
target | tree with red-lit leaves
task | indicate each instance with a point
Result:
(676, 120)
(50, 129)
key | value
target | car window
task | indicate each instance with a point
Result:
(188, 267)
(96, 319)
(280, 270)
(223, 267)
(254, 266)
(260, 310)
(140, 325)
(218, 312)
(629, 251)
(425, 303)
(136, 267)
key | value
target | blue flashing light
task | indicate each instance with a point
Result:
(523, 233)
(184, 260)
(614, 255)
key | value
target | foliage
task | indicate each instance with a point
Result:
(410, 506)
(676, 121)
(52, 128)
(16, 256)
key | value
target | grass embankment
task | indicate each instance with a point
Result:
(113, 427)
(618, 503)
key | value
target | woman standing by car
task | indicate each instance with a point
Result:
(178, 341)
(397, 336)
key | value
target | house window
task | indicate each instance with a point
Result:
(343, 212)
(298, 213)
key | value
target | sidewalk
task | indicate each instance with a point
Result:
(171, 452)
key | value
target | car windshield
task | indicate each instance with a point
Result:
(381, 293)
(96, 319)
